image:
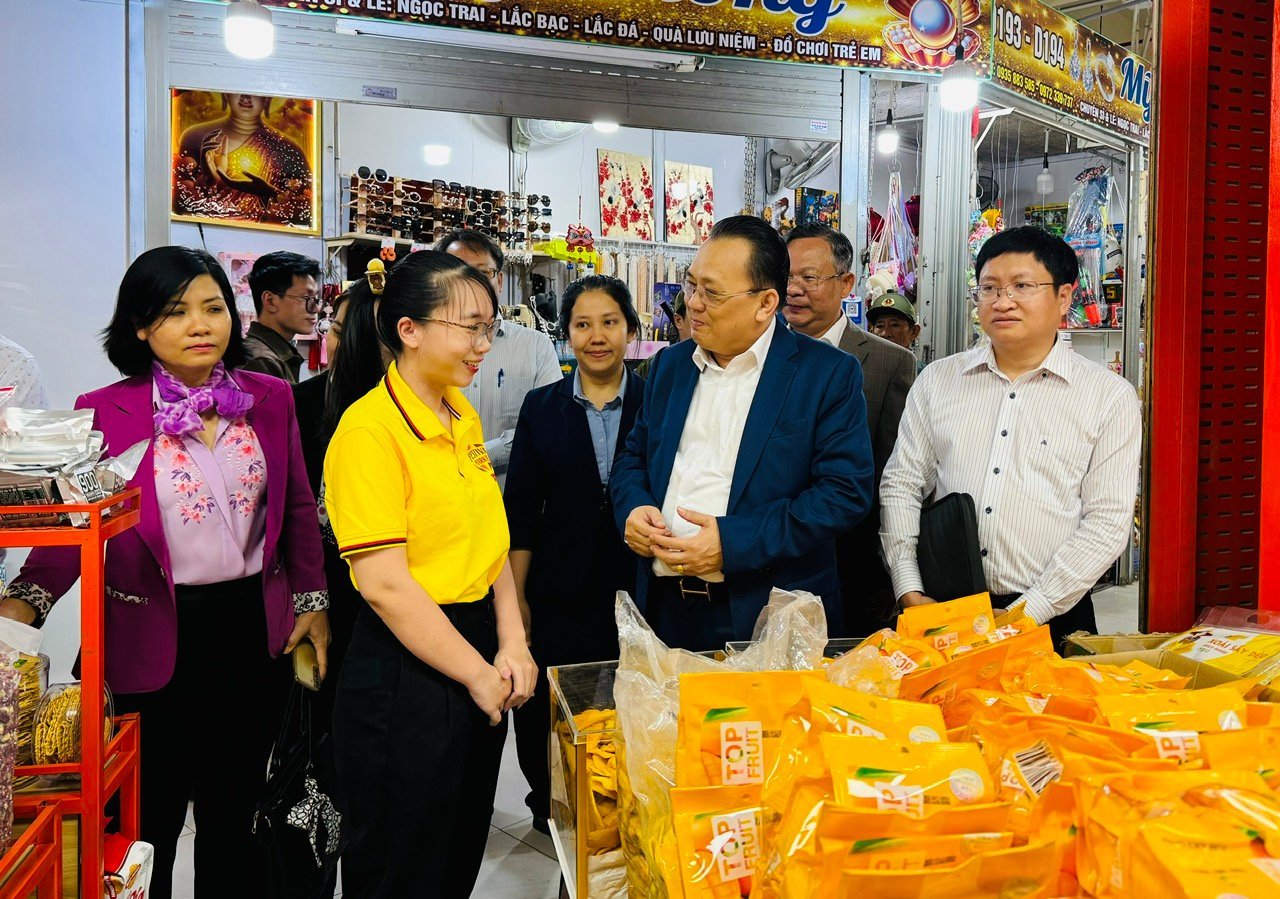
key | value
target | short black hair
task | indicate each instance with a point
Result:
(1051, 251)
(474, 241)
(769, 265)
(275, 272)
(155, 280)
(417, 286)
(616, 290)
(841, 247)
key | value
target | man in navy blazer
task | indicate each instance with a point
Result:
(750, 454)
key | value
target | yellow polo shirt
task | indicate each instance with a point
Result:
(394, 476)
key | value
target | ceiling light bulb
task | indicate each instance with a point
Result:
(247, 30)
(959, 89)
(1044, 181)
(887, 139)
(604, 126)
(437, 154)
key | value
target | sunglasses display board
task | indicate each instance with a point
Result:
(378, 204)
(244, 160)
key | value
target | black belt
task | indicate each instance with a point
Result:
(695, 589)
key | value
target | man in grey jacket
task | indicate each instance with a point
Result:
(821, 277)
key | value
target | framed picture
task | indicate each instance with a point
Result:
(690, 199)
(626, 195)
(245, 160)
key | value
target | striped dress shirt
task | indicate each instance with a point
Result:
(1051, 461)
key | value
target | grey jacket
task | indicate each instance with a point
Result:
(888, 371)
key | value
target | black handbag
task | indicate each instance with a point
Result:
(298, 821)
(949, 553)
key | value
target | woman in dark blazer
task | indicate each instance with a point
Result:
(566, 554)
(223, 573)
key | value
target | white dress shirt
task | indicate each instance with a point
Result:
(702, 474)
(836, 332)
(519, 360)
(1051, 461)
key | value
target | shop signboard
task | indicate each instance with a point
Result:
(1053, 59)
(911, 35)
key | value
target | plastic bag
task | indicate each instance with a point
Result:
(792, 634)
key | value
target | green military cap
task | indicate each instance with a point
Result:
(891, 302)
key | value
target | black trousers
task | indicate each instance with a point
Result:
(207, 733)
(866, 589)
(1079, 617)
(685, 621)
(417, 764)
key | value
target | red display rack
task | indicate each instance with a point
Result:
(33, 863)
(106, 769)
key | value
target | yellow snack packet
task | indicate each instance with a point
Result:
(976, 670)
(906, 777)
(1180, 858)
(1027, 872)
(719, 835)
(840, 710)
(1174, 720)
(917, 853)
(730, 724)
(905, 654)
(948, 625)
(1021, 650)
(1257, 813)
(1254, 749)
(1229, 649)
(1262, 714)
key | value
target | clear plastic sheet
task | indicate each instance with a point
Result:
(36, 439)
(791, 635)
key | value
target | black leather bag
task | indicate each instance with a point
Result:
(298, 821)
(949, 553)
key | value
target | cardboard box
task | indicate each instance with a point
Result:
(1201, 675)
(1085, 644)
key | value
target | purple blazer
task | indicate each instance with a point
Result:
(141, 613)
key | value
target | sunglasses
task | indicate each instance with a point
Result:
(534, 228)
(534, 212)
(534, 200)
(477, 206)
(376, 174)
(411, 195)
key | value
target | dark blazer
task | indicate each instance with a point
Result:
(308, 399)
(141, 612)
(888, 371)
(803, 473)
(558, 509)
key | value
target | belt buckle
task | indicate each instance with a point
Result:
(690, 593)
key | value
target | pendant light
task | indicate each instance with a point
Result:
(1044, 181)
(888, 138)
(248, 31)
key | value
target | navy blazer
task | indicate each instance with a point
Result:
(804, 473)
(558, 509)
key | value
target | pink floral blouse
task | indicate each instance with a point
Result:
(212, 503)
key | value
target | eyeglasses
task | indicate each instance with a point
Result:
(480, 332)
(1022, 290)
(810, 282)
(714, 298)
(311, 300)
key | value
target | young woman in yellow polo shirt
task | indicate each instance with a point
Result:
(439, 653)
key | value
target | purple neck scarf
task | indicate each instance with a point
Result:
(182, 406)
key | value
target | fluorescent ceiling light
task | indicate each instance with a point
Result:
(530, 46)
(436, 154)
(604, 127)
(959, 89)
(247, 30)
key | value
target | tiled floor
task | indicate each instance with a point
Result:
(520, 863)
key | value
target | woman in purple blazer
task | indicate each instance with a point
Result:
(223, 573)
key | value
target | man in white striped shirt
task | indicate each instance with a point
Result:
(1046, 442)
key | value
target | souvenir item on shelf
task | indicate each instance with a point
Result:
(1086, 232)
(817, 207)
(57, 727)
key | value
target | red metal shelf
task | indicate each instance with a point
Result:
(34, 861)
(103, 769)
